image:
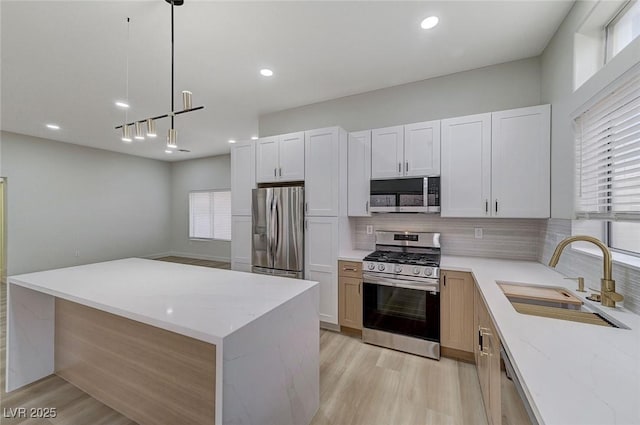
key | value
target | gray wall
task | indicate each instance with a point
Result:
(64, 198)
(504, 86)
(557, 88)
(197, 174)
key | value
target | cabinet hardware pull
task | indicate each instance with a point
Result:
(367, 206)
(280, 171)
(486, 206)
(445, 280)
(399, 167)
(406, 166)
(496, 206)
(306, 206)
(349, 269)
(359, 284)
(480, 340)
(275, 172)
(306, 224)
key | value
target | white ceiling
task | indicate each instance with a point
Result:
(64, 61)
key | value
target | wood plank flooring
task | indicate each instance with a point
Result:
(360, 384)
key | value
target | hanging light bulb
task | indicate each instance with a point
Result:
(126, 134)
(172, 139)
(186, 100)
(151, 128)
(138, 134)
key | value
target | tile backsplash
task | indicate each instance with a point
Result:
(516, 239)
(575, 263)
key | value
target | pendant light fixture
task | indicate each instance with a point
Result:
(187, 102)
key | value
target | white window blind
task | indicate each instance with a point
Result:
(608, 155)
(210, 215)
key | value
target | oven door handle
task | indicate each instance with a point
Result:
(399, 283)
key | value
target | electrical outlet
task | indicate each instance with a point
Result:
(369, 229)
(478, 232)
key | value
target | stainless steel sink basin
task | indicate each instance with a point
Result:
(554, 302)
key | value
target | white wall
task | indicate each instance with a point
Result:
(64, 198)
(197, 174)
(497, 87)
(557, 89)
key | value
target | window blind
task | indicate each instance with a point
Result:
(607, 140)
(210, 215)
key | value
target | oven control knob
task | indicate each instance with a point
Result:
(428, 271)
(371, 266)
(397, 269)
(416, 270)
(381, 267)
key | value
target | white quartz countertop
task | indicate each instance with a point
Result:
(572, 373)
(353, 254)
(203, 303)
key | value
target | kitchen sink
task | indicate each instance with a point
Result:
(554, 302)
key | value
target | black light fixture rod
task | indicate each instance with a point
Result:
(172, 55)
(184, 111)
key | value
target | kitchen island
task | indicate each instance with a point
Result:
(170, 343)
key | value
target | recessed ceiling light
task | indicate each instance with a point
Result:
(53, 126)
(254, 137)
(122, 104)
(231, 141)
(266, 72)
(429, 22)
(168, 151)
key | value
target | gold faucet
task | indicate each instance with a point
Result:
(608, 285)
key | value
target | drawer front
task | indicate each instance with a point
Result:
(350, 269)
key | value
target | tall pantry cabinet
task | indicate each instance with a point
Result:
(243, 180)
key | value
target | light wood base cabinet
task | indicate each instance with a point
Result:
(350, 294)
(487, 354)
(456, 312)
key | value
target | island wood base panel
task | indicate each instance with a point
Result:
(150, 375)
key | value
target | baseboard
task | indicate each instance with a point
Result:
(155, 256)
(453, 353)
(351, 332)
(329, 326)
(198, 256)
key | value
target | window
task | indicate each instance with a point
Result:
(624, 236)
(607, 141)
(210, 215)
(623, 28)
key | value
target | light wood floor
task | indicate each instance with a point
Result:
(359, 384)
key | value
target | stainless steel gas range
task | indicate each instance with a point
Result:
(401, 297)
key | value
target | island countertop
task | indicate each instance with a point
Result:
(203, 303)
(572, 373)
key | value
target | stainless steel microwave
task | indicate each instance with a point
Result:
(417, 195)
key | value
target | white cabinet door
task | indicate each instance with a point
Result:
(241, 243)
(422, 149)
(267, 160)
(321, 263)
(321, 179)
(466, 166)
(359, 173)
(242, 177)
(520, 146)
(291, 167)
(387, 152)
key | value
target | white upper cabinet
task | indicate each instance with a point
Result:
(267, 160)
(359, 173)
(322, 173)
(280, 158)
(291, 157)
(466, 166)
(242, 177)
(497, 165)
(520, 173)
(387, 152)
(422, 149)
(406, 151)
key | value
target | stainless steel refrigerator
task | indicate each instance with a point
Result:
(277, 243)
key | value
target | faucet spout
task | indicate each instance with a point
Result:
(608, 285)
(606, 254)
